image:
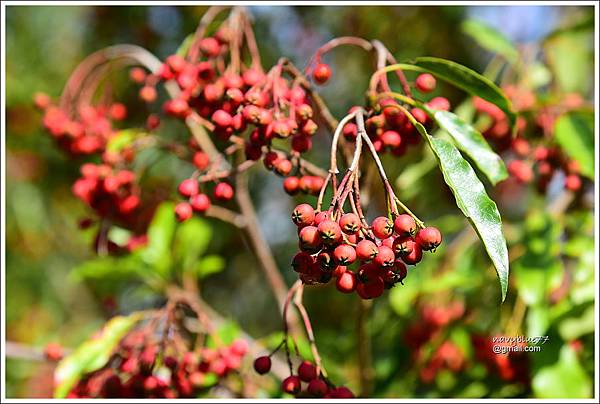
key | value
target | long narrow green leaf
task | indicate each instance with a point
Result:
(472, 143)
(490, 39)
(473, 201)
(575, 133)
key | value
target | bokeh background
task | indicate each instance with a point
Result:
(45, 303)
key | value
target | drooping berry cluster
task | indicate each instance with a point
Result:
(86, 133)
(331, 245)
(111, 192)
(141, 368)
(306, 383)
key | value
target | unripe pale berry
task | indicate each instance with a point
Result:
(429, 238)
(425, 83)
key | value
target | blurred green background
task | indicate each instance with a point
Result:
(43, 243)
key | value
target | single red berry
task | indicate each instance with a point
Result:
(304, 111)
(291, 185)
(429, 238)
(270, 159)
(520, 170)
(291, 385)
(573, 182)
(403, 245)
(301, 143)
(210, 47)
(350, 223)
(321, 217)
(223, 192)
(137, 75)
(439, 103)
(307, 371)
(183, 211)
(330, 232)
(405, 225)
(309, 128)
(118, 111)
(420, 115)
(262, 365)
(317, 388)
(391, 139)
(176, 63)
(415, 256)
(521, 147)
(342, 392)
(53, 351)
(201, 160)
(366, 250)
(350, 131)
(200, 203)
(283, 167)
(303, 215)
(322, 73)
(148, 93)
(382, 227)
(252, 77)
(326, 261)
(222, 119)
(344, 254)
(371, 289)
(385, 257)
(425, 83)
(400, 270)
(188, 187)
(310, 239)
(302, 262)
(346, 281)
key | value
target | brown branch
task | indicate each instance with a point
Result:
(17, 350)
(309, 331)
(226, 215)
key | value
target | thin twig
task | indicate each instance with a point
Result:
(309, 330)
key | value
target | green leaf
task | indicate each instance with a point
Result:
(574, 131)
(191, 239)
(490, 39)
(472, 143)
(473, 201)
(564, 379)
(104, 268)
(160, 236)
(466, 79)
(185, 45)
(92, 354)
(121, 140)
(575, 327)
(209, 265)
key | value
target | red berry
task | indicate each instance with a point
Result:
(201, 160)
(366, 250)
(302, 262)
(183, 211)
(573, 182)
(200, 203)
(425, 83)
(439, 103)
(429, 238)
(53, 351)
(317, 388)
(382, 227)
(321, 217)
(391, 138)
(303, 215)
(262, 364)
(310, 239)
(405, 225)
(291, 385)
(420, 115)
(344, 254)
(137, 75)
(520, 170)
(403, 245)
(385, 256)
(188, 187)
(118, 111)
(350, 223)
(415, 256)
(252, 77)
(148, 93)
(330, 232)
(223, 192)
(291, 185)
(322, 73)
(176, 63)
(301, 143)
(307, 371)
(325, 261)
(342, 392)
(283, 167)
(210, 47)
(309, 128)
(371, 289)
(222, 119)
(346, 282)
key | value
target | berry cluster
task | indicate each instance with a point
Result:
(510, 367)
(331, 244)
(141, 368)
(307, 383)
(86, 134)
(111, 192)
(389, 129)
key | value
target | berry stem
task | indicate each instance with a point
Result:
(286, 306)
(420, 223)
(390, 68)
(309, 330)
(205, 21)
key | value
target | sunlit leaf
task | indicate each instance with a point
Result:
(160, 236)
(191, 239)
(209, 265)
(565, 379)
(490, 39)
(575, 133)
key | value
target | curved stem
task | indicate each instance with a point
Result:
(309, 330)
(388, 69)
(207, 18)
